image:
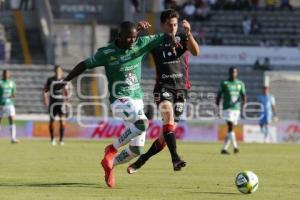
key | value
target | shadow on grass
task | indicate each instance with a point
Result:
(214, 193)
(83, 185)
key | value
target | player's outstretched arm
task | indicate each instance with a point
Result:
(192, 44)
(78, 69)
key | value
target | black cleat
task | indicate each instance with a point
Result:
(133, 168)
(177, 165)
(236, 150)
(225, 152)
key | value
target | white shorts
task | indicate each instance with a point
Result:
(130, 110)
(7, 111)
(231, 116)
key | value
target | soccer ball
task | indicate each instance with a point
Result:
(246, 182)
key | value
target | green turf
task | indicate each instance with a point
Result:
(34, 170)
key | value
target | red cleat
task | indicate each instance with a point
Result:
(107, 164)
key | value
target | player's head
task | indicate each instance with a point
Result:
(127, 35)
(233, 73)
(266, 90)
(169, 21)
(58, 71)
(6, 74)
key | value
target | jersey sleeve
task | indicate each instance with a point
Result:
(183, 40)
(14, 88)
(96, 60)
(273, 102)
(152, 41)
(221, 89)
(243, 89)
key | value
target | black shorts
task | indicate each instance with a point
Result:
(57, 110)
(176, 97)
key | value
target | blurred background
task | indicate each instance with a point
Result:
(261, 37)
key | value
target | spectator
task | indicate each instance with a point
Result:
(202, 11)
(189, 10)
(286, 4)
(136, 5)
(293, 43)
(270, 5)
(254, 5)
(246, 24)
(14, 4)
(262, 64)
(65, 39)
(24, 5)
(264, 43)
(212, 4)
(221, 4)
(171, 4)
(242, 5)
(217, 37)
(2, 5)
(255, 26)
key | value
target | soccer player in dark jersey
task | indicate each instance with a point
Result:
(56, 101)
(122, 62)
(172, 83)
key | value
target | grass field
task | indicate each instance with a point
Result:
(35, 170)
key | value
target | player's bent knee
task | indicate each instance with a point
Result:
(138, 150)
(142, 124)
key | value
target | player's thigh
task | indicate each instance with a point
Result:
(55, 109)
(7, 111)
(130, 110)
(231, 116)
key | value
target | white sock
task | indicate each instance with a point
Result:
(13, 132)
(127, 136)
(233, 139)
(226, 142)
(124, 156)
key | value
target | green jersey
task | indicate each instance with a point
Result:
(232, 92)
(123, 66)
(7, 89)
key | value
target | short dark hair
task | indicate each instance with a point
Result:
(232, 68)
(168, 14)
(56, 67)
(126, 26)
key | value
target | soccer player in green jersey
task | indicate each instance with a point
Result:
(122, 62)
(7, 108)
(233, 93)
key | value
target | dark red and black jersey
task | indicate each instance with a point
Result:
(57, 95)
(172, 66)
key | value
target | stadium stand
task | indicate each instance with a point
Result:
(31, 32)
(279, 28)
